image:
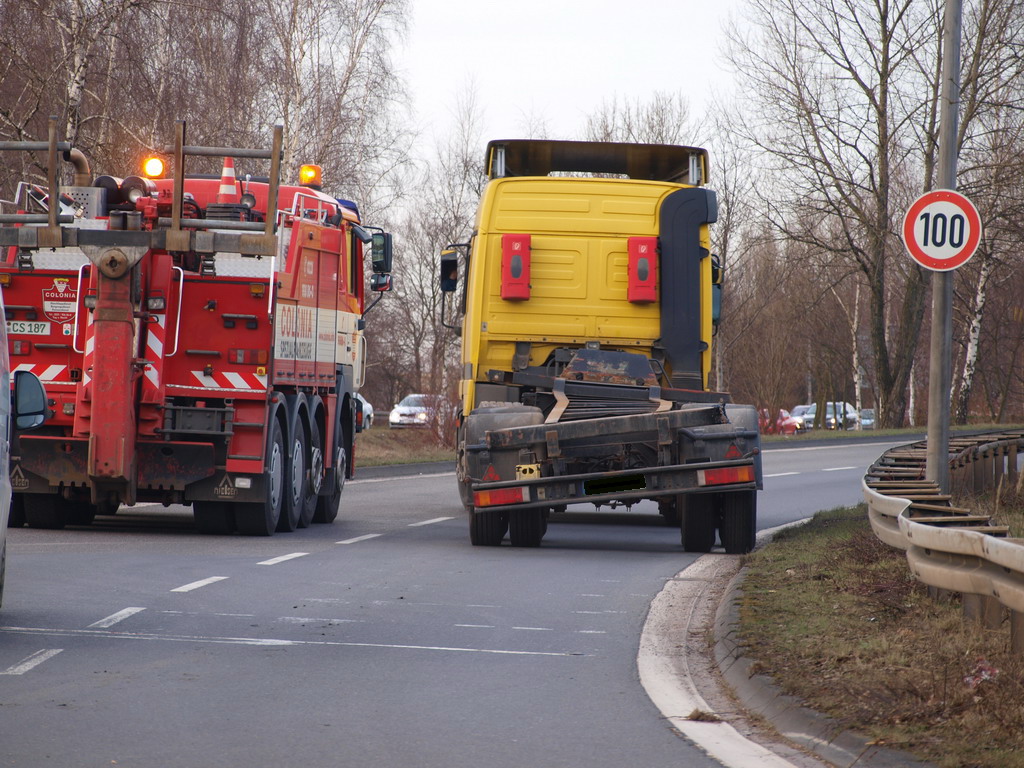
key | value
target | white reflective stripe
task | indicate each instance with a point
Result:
(52, 372)
(204, 380)
(236, 380)
(25, 367)
(155, 341)
(152, 376)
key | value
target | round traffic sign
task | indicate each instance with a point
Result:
(942, 230)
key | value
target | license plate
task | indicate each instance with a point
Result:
(28, 327)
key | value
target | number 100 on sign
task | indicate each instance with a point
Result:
(942, 230)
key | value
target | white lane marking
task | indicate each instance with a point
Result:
(198, 613)
(586, 595)
(34, 660)
(838, 469)
(596, 613)
(477, 626)
(198, 584)
(535, 629)
(304, 619)
(592, 632)
(282, 558)
(783, 474)
(665, 673)
(367, 537)
(114, 618)
(405, 477)
(270, 641)
(430, 522)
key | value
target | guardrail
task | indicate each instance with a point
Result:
(954, 548)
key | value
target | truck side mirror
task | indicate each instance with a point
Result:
(380, 253)
(716, 303)
(717, 273)
(380, 283)
(30, 406)
(449, 270)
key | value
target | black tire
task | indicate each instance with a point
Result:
(16, 519)
(296, 481)
(487, 529)
(697, 521)
(80, 512)
(526, 527)
(668, 510)
(45, 510)
(261, 518)
(738, 521)
(327, 505)
(316, 475)
(214, 518)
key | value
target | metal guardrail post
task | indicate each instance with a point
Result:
(953, 549)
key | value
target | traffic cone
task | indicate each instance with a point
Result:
(228, 192)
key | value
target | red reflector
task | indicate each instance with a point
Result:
(499, 496)
(643, 270)
(515, 267)
(725, 476)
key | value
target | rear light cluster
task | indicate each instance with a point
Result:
(248, 356)
(501, 496)
(725, 475)
(19, 347)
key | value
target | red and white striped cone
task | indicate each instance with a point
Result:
(228, 192)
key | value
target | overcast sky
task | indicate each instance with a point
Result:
(555, 61)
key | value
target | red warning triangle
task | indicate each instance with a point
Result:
(490, 476)
(733, 452)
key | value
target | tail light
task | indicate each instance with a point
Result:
(500, 496)
(726, 475)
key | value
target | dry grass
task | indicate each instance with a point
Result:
(836, 618)
(382, 445)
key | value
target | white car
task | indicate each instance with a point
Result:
(23, 408)
(367, 421)
(414, 411)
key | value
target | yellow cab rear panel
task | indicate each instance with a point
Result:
(586, 345)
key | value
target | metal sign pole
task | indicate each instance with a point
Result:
(941, 362)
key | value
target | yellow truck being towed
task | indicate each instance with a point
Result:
(589, 300)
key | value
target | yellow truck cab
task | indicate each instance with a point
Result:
(588, 310)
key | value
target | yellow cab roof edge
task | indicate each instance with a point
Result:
(541, 157)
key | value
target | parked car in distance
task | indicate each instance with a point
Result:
(867, 418)
(414, 411)
(783, 424)
(798, 413)
(365, 421)
(849, 418)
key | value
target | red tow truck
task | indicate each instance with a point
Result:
(199, 338)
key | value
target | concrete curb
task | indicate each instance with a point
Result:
(760, 695)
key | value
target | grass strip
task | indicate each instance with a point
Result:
(837, 619)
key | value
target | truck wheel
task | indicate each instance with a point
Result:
(526, 527)
(697, 521)
(316, 475)
(45, 510)
(216, 518)
(327, 506)
(80, 512)
(668, 510)
(295, 482)
(738, 524)
(487, 529)
(261, 518)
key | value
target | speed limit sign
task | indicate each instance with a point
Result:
(942, 230)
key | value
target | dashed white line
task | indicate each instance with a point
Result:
(282, 558)
(114, 618)
(32, 661)
(783, 474)
(430, 522)
(535, 629)
(837, 469)
(592, 632)
(198, 584)
(305, 619)
(477, 626)
(266, 642)
(357, 539)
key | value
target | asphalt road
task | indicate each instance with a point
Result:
(384, 639)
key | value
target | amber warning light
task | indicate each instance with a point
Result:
(153, 167)
(310, 176)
